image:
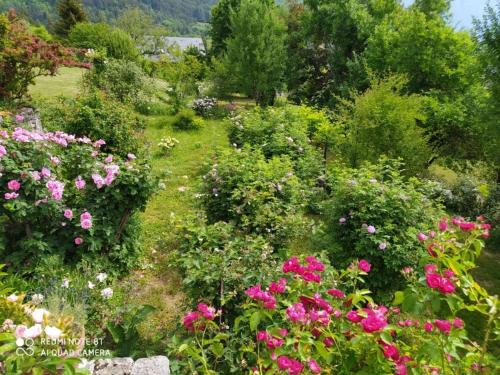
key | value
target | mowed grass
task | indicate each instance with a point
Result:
(65, 83)
(158, 282)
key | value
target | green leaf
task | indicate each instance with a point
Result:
(399, 297)
(254, 321)
(217, 349)
(117, 332)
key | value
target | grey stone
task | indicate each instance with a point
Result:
(158, 365)
(87, 365)
(115, 366)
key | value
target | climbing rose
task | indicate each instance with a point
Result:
(78, 241)
(443, 225)
(446, 286)
(3, 151)
(9, 196)
(467, 227)
(353, 316)
(391, 351)
(336, 293)
(370, 229)
(279, 287)
(433, 280)
(458, 323)
(421, 236)
(296, 313)
(189, 319)
(428, 327)
(375, 321)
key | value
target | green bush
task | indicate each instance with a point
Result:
(186, 120)
(384, 121)
(124, 81)
(116, 43)
(279, 132)
(377, 197)
(257, 195)
(64, 196)
(218, 263)
(98, 117)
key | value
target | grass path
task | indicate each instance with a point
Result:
(158, 283)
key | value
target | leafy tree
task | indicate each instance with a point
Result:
(136, 22)
(488, 34)
(327, 38)
(220, 24)
(25, 56)
(433, 8)
(384, 121)
(70, 13)
(255, 58)
(432, 54)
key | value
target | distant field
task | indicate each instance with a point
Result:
(65, 83)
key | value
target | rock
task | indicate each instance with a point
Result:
(115, 366)
(158, 365)
(87, 365)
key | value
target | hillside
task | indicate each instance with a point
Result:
(177, 14)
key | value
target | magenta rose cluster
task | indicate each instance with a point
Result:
(196, 320)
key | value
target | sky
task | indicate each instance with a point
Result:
(464, 10)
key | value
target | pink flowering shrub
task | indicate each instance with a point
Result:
(375, 213)
(320, 320)
(60, 194)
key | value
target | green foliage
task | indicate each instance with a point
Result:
(220, 24)
(123, 80)
(186, 120)
(384, 121)
(255, 60)
(126, 335)
(34, 222)
(430, 53)
(398, 209)
(257, 195)
(113, 42)
(218, 263)
(18, 69)
(70, 12)
(279, 132)
(98, 117)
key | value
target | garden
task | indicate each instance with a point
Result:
(316, 192)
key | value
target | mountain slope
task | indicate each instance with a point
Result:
(171, 11)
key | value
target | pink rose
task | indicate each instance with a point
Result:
(78, 241)
(364, 266)
(314, 367)
(443, 325)
(14, 185)
(68, 214)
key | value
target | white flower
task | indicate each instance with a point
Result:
(65, 283)
(33, 332)
(90, 285)
(107, 293)
(37, 298)
(12, 298)
(39, 314)
(101, 277)
(53, 333)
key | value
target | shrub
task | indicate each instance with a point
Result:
(375, 213)
(384, 121)
(51, 206)
(186, 120)
(115, 43)
(258, 196)
(124, 81)
(205, 107)
(98, 117)
(25, 56)
(277, 132)
(316, 318)
(218, 263)
(167, 144)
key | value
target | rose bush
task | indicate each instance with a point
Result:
(258, 195)
(61, 195)
(314, 319)
(375, 213)
(279, 132)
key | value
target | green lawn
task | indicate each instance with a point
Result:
(65, 83)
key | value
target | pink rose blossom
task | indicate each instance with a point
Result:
(68, 214)
(9, 196)
(443, 325)
(14, 185)
(79, 183)
(3, 151)
(458, 323)
(78, 241)
(421, 237)
(364, 266)
(336, 293)
(314, 367)
(370, 229)
(428, 327)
